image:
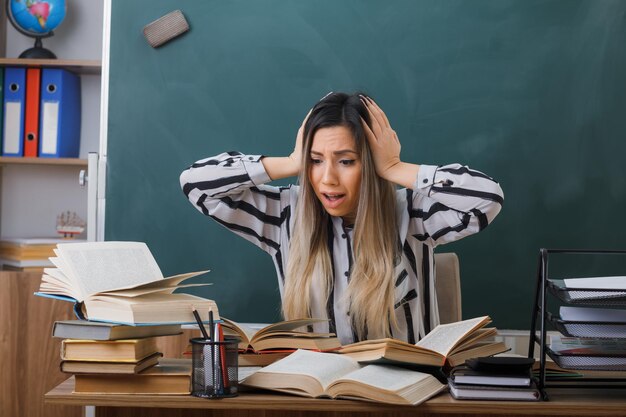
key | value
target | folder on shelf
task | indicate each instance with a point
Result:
(14, 96)
(31, 117)
(59, 135)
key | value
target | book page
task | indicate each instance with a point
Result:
(325, 367)
(138, 292)
(243, 331)
(387, 378)
(101, 266)
(288, 325)
(446, 336)
(171, 283)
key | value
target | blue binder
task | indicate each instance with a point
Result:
(14, 102)
(59, 123)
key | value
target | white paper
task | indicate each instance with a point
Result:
(12, 127)
(597, 283)
(593, 314)
(50, 128)
(104, 266)
(609, 283)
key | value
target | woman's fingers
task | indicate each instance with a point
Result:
(376, 126)
(368, 131)
(378, 113)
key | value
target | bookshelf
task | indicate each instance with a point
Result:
(79, 66)
(15, 171)
(34, 191)
(5, 160)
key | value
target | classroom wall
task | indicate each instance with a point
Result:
(531, 92)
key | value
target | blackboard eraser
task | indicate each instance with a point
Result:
(165, 28)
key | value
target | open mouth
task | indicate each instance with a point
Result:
(333, 197)
(332, 201)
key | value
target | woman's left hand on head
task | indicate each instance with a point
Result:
(382, 139)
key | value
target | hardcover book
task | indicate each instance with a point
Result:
(446, 345)
(291, 334)
(120, 282)
(130, 350)
(482, 392)
(317, 374)
(82, 329)
(86, 367)
(170, 376)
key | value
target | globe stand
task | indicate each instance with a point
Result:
(38, 51)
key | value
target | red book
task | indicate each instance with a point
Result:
(31, 116)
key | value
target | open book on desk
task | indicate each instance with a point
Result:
(447, 344)
(120, 282)
(316, 374)
(290, 334)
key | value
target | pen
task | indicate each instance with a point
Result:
(200, 324)
(212, 330)
(220, 333)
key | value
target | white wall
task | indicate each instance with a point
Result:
(31, 197)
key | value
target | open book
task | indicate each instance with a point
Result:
(120, 282)
(316, 374)
(447, 344)
(291, 334)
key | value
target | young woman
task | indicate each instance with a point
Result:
(348, 245)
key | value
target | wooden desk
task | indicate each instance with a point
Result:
(568, 402)
(29, 357)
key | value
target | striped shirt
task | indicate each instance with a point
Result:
(445, 204)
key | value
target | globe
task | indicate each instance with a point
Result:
(37, 19)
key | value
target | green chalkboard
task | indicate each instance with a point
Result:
(531, 92)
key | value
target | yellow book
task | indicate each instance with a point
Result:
(107, 367)
(23, 249)
(129, 350)
(170, 376)
(446, 345)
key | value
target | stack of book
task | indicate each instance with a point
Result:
(494, 381)
(120, 359)
(28, 254)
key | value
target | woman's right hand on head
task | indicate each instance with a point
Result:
(296, 155)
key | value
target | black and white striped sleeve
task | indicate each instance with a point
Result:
(229, 188)
(451, 202)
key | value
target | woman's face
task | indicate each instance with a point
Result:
(335, 171)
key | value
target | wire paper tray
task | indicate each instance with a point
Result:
(595, 329)
(588, 362)
(585, 296)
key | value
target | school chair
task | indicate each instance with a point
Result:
(448, 285)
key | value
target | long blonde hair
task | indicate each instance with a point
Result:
(376, 248)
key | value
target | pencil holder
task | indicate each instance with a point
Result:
(215, 368)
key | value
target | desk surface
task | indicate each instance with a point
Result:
(568, 402)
